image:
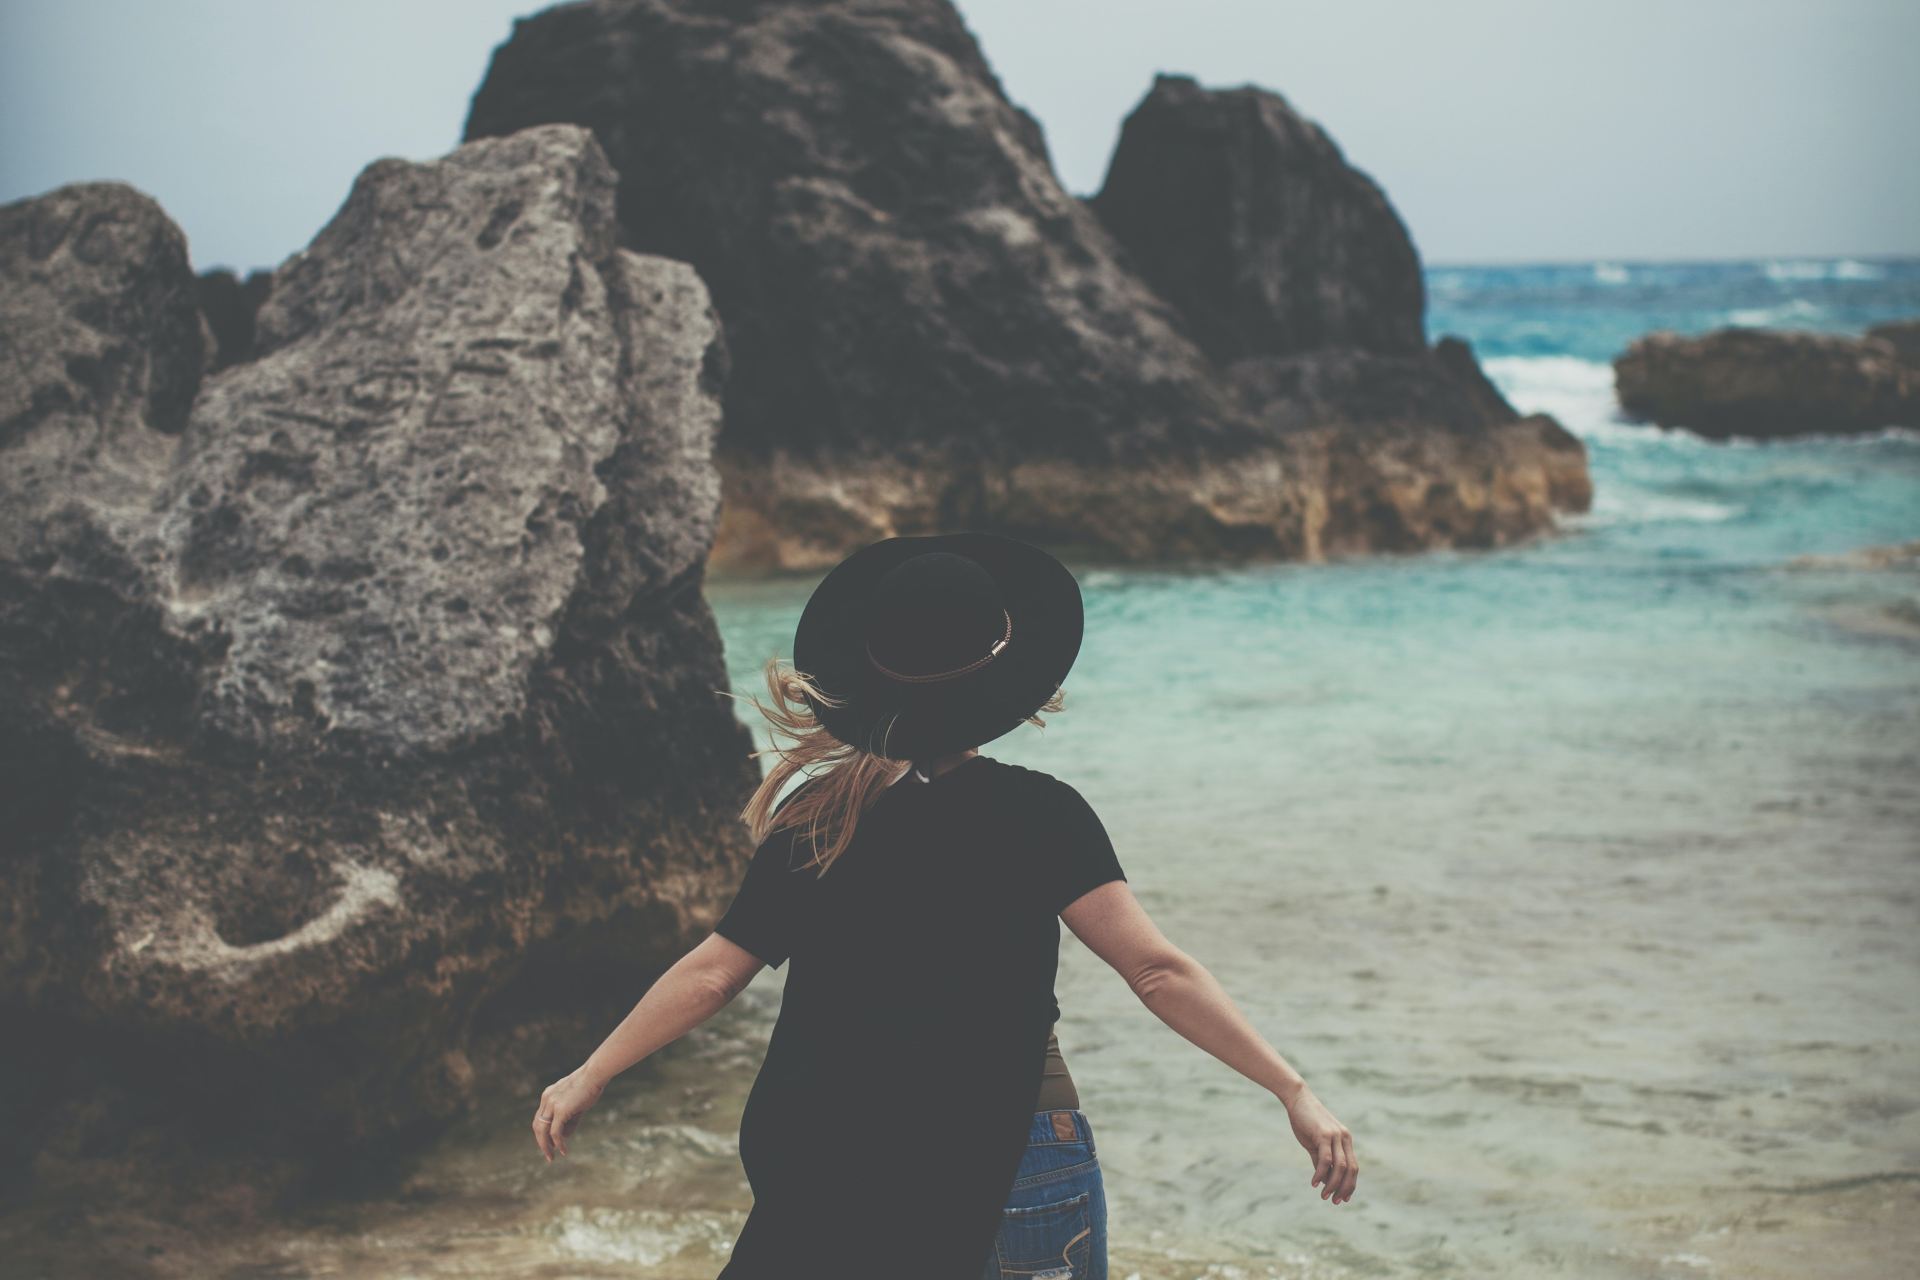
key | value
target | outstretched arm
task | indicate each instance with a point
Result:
(1181, 992)
(697, 986)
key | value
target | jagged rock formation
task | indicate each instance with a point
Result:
(928, 331)
(356, 702)
(1762, 383)
(1244, 215)
(1297, 275)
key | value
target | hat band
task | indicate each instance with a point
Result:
(975, 665)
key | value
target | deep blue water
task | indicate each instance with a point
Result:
(1591, 311)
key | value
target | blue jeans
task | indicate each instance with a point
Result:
(1055, 1224)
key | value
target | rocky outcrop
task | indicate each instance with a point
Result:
(1400, 453)
(929, 332)
(1763, 383)
(1298, 277)
(1244, 215)
(357, 702)
(1903, 336)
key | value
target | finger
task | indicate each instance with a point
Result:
(1337, 1175)
(1353, 1168)
(559, 1131)
(1322, 1163)
(542, 1134)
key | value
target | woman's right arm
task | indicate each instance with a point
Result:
(1181, 992)
(696, 986)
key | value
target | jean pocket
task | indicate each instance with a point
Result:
(1047, 1241)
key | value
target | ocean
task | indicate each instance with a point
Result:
(1580, 878)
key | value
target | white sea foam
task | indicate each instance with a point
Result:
(1784, 270)
(1829, 439)
(1580, 394)
(1610, 273)
(1618, 504)
(1799, 309)
(646, 1237)
(1577, 392)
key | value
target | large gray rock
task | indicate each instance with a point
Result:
(1245, 215)
(928, 330)
(882, 230)
(1295, 273)
(359, 709)
(1762, 383)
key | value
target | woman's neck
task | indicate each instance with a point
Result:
(940, 764)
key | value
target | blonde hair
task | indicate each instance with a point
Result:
(843, 781)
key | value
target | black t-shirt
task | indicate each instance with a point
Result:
(888, 1119)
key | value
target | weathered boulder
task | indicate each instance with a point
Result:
(1297, 275)
(1764, 383)
(882, 231)
(358, 711)
(1245, 216)
(928, 331)
(1903, 336)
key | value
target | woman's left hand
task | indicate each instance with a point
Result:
(562, 1103)
(1328, 1142)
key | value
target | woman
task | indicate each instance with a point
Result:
(912, 1117)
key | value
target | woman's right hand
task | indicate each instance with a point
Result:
(562, 1103)
(1329, 1144)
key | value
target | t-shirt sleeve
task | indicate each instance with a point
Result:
(1076, 854)
(761, 916)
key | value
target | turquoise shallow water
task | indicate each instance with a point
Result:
(1581, 878)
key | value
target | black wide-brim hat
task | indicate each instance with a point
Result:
(938, 643)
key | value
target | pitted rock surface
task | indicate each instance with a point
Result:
(357, 701)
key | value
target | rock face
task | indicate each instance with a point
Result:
(929, 332)
(1245, 216)
(1298, 277)
(357, 701)
(1766, 383)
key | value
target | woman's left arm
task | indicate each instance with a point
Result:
(1181, 992)
(697, 986)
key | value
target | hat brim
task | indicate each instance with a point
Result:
(914, 721)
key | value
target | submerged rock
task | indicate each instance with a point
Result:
(357, 702)
(1765, 383)
(1897, 555)
(929, 332)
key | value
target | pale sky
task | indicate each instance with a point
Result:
(1503, 130)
